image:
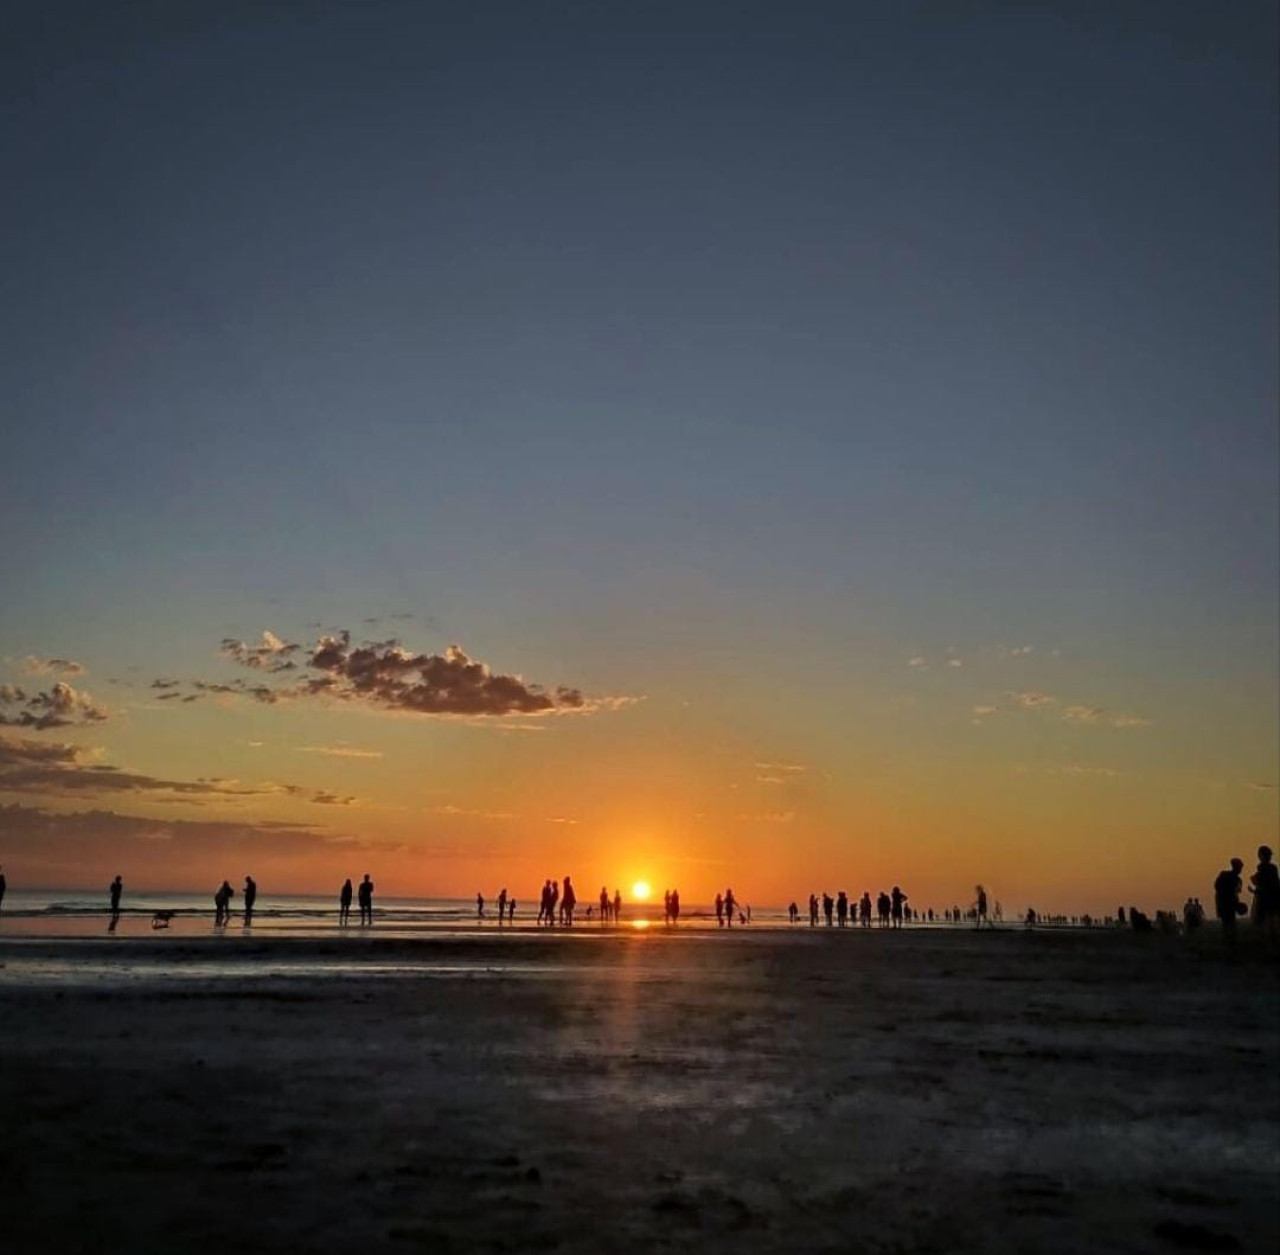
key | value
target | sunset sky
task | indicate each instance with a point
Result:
(800, 447)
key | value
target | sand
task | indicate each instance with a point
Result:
(632, 1092)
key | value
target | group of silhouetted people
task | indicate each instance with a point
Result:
(365, 897)
(726, 908)
(671, 906)
(1264, 885)
(557, 904)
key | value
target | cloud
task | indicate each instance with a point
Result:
(165, 684)
(1100, 716)
(1078, 769)
(62, 770)
(43, 666)
(1031, 700)
(955, 662)
(322, 797)
(769, 817)
(450, 809)
(383, 674)
(1017, 651)
(918, 662)
(340, 750)
(57, 707)
(779, 773)
(983, 711)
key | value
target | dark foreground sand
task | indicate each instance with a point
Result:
(766, 1092)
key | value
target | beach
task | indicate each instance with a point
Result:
(638, 1089)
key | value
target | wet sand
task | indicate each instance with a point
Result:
(768, 1091)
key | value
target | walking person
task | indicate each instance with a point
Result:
(250, 897)
(675, 906)
(568, 901)
(116, 890)
(365, 896)
(344, 904)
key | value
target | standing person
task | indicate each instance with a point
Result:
(617, 906)
(842, 907)
(502, 904)
(1265, 887)
(568, 900)
(675, 906)
(553, 897)
(666, 906)
(982, 905)
(730, 905)
(828, 905)
(719, 911)
(864, 910)
(250, 897)
(117, 888)
(4, 884)
(604, 905)
(479, 906)
(344, 904)
(896, 902)
(365, 897)
(511, 911)
(1227, 887)
(813, 910)
(222, 903)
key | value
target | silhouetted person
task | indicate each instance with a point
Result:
(1265, 887)
(1227, 888)
(250, 897)
(719, 911)
(793, 913)
(730, 905)
(502, 904)
(365, 898)
(1120, 920)
(604, 905)
(4, 884)
(222, 903)
(828, 906)
(813, 910)
(117, 888)
(568, 901)
(479, 906)
(842, 907)
(617, 905)
(344, 903)
(511, 911)
(675, 906)
(882, 908)
(553, 897)
(982, 906)
(896, 903)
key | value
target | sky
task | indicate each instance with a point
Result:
(796, 447)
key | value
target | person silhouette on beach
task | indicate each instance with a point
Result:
(982, 904)
(828, 906)
(502, 904)
(479, 906)
(864, 910)
(730, 905)
(1227, 887)
(675, 906)
(4, 884)
(222, 904)
(842, 907)
(542, 902)
(882, 908)
(116, 889)
(344, 903)
(568, 901)
(553, 897)
(617, 905)
(719, 911)
(813, 910)
(365, 897)
(511, 911)
(896, 903)
(250, 897)
(1265, 887)
(604, 905)
(793, 913)
(666, 906)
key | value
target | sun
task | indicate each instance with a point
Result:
(640, 891)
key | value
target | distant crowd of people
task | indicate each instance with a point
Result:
(890, 910)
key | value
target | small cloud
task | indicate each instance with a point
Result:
(1017, 651)
(1100, 716)
(769, 817)
(1260, 786)
(1078, 769)
(918, 662)
(983, 711)
(341, 750)
(269, 654)
(322, 797)
(256, 745)
(44, 666)
(955, 662)
(474, 814)
(560, 819)
(1031, 700)
(58, 707)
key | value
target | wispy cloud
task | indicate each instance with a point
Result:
(1031, 699)
(341, 750)
(56, 666)
(469, 812)
(1101, 716)
(918, 662)
(768, 817)
(1017, 651)
(779, 773)
(984, 711)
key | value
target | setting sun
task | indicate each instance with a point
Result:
(640, 891)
